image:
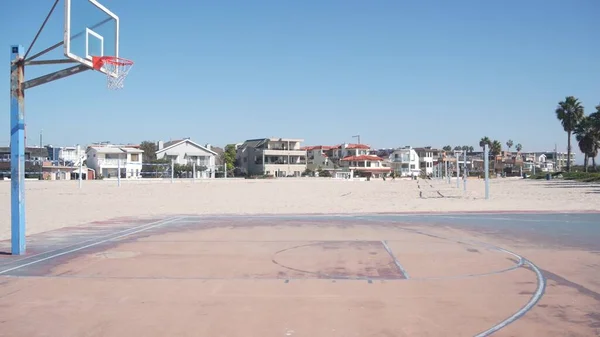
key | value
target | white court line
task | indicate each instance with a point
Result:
(99, 238)
(475, 217)
(91, 245)
(396, 262)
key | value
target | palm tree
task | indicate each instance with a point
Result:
(509, 144)
(457, 148)
(569, 112)
(496, 148)
(519, 147)
(585, 139)
(471, 149)
(587, 134)
(447, 148)
(484, 141)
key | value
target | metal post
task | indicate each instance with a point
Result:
(447, 168)
(41, 161)
(172, 170)
(486, 168)
(457, 155)
(465, 175)
(80, 164)
(119, 172)
(194, 172)
(17, 151)
(225, 170)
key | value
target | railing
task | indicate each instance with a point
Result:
(115, 162)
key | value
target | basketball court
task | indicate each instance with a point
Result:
(317, 275)
(305, 275)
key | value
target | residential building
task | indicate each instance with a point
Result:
(349, 158)
(106, 159)
(427, 157)
(187, 152)
(35, 158)
(279, 157)
(365, 165)
(318, 157)
(62, 155)
(405, 162)
(560, 159)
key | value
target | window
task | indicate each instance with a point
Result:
(135, 157)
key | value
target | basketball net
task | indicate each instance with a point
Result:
(116, 70)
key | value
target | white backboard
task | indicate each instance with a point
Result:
(90, 30)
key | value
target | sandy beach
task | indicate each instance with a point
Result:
(55, 204)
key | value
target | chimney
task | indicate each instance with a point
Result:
(160, 145)
(208, 146)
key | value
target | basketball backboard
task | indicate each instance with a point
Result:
(90, 30)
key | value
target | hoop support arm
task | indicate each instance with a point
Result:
(44, 62)
(55, 76)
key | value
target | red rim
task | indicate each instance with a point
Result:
(99, 61)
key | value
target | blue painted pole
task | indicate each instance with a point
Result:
(486, 168)
(17, 151)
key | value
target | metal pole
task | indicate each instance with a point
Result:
(457, 155)
(194, 172)
(447, 168)
(225, 170)
(17, 151)
(80, 164)
(41, 161)
(465, 176)
(119, 172)
(172, 169)
(486, 168)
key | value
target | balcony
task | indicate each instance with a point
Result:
(115, 162)
(284, 153)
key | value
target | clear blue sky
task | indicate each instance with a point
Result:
(396, 72)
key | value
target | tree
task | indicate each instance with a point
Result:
(471, 149)
(509, 144)
(457, 148)
(484, 141)
(496, 148)
(569, 112)
(149, 149)
(519, 147)
(587, 134)
(447, 148)
(230, 156)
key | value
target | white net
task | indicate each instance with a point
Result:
(116, 71)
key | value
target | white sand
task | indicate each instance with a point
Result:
(55, 204)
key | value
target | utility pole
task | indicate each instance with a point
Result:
(357, 136)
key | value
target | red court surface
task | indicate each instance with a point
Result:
(273, 276)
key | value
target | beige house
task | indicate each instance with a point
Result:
(279, 157)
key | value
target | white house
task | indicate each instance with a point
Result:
(107, 159)
(187, 152)
(427, 157)
(405, 161)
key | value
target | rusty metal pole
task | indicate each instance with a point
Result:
(17, 150)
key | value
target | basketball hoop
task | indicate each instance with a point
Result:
(116, 69)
